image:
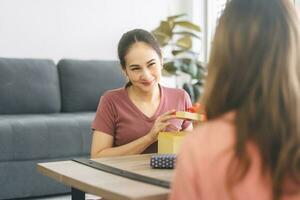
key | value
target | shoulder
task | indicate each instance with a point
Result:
(114, 94)
(213, 137)
(173, 91)
(112, 97)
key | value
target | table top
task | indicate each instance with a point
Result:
(108, 185)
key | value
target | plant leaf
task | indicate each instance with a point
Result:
(186, 33)
(184, 42)
(170, 67)
(184, 68)
(186, 60)
(179, 34)
(176, 52)
(193, 69)
(165, 27)
(172, 18)
(189, 89)
(189, 25)
(201, 72)
(162, 38)
(197, 91)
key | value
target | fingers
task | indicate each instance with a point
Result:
(162, 122)
(167, 115)
(158, 127)
(163, 125)
(166, 118)
(172, 127)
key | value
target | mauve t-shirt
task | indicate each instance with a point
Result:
(119, 117)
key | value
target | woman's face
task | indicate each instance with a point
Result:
(143, 67)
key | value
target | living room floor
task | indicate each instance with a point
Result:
(65, 197)
(58, 197)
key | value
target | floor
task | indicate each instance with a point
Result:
(59, 197)
(65, 197)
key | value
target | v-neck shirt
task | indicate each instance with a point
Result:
(138, 110)
(119, 117)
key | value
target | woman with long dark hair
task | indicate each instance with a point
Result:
(250, 146)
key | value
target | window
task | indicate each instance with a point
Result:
(214, 11)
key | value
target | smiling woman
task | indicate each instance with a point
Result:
(129, 119)
(143, 73)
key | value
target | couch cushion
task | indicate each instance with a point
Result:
(21, 180)
(29, 137)
(83, 82)
(28, 86)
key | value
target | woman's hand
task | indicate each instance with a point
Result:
(161, 123)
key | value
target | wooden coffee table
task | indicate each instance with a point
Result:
(82, 178)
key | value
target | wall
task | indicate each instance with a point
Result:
(82, 29)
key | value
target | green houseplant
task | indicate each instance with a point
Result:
(177, 36)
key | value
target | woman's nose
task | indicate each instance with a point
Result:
(146, 74)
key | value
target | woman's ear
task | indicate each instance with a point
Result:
(125, 74)
(124, 70)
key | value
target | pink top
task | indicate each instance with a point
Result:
(202, 167)
(118, 116)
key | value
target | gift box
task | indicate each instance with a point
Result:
(169, 142)
(163, 161)
(189, 116)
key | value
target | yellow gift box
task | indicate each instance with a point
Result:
(169, 142)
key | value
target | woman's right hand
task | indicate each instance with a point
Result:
(161, 123)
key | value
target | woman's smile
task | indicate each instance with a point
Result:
(148, 83)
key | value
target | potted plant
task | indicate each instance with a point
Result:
(177, 36)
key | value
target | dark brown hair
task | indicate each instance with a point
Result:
(131, 37)
(254, 69)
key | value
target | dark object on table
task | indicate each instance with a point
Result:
(163, 161)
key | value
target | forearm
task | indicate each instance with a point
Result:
(135, 147)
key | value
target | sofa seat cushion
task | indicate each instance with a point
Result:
(83, 82)
(28, 137)
(20, 179)
(28, 86)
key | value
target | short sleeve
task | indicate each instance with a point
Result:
(187, 104)
(105, 116)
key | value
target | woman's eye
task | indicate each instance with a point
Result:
(151, 64)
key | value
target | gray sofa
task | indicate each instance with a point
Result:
(46, 112)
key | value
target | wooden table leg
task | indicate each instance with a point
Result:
(77, 194)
